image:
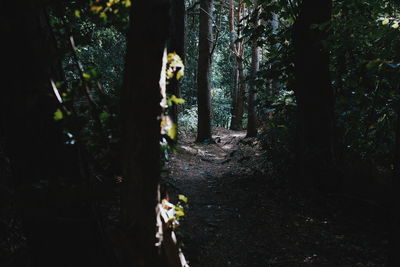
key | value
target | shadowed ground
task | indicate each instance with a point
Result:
(240, 214)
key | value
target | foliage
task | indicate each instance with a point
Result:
(92, 56)
(364, 71)
(173, 213)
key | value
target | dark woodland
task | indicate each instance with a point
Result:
(209, 133)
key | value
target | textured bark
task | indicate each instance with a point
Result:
(204, 71)
(141, 128)
(255, 65)
(315, 96)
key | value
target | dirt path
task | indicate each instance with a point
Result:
(239, 215)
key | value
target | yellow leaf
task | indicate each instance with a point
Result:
(395, 25)
(128, 3)
(96, 9)
(176, 100)
(170, 73)
(171, 132)
(183, 198)
(86, 76)
(179, 213)
(77, 13)
(58, 115)
(385, 22)
(179, 74)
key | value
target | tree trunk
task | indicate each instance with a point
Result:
(394, 259)
(35, 142)
(238, 95)
(315, 96)
(141, 127)
(273, 84)
(27, 106)
(176, 44)
(204, 71)
(255, 65)
(232, 37)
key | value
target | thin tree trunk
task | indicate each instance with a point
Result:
(275, 85)
(141, 128)
(315, 97)
(204, 71)
(255, 65)
(232, 37)
(238, 95)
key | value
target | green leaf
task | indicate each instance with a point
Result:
(58, 115)
(172, 131)
(104, 116)
(175, 100)
(86, 76)
(179, 74)
(183, 198)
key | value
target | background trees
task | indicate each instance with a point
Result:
(204, 70)
(325, 74)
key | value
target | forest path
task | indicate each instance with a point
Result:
(241, 215)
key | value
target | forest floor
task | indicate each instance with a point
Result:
(241, 214)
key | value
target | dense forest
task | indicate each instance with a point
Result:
(199, 133)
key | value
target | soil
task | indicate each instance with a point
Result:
(241, 214)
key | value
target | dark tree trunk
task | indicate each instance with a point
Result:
(314, 94)
(176, 44)
(252, 116)
(35, 143)
(394, 259)
(255, 65)
(141, 128)
(27, 106)
(204, 71)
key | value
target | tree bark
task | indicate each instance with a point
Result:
(141, 127)
(238, 95)
(176, 44)
(204, 71)
(273, 84)
(393, 257)
(314, 94)
(255, 65)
